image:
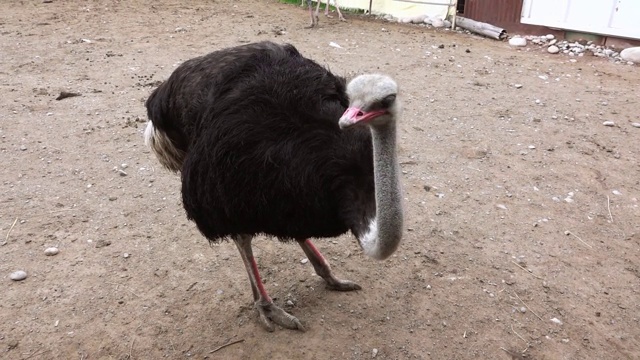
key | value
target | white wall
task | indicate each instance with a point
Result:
(608, 17)
(397, 8)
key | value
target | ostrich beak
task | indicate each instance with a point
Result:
(354, 115)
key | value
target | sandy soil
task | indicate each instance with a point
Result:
(521, 206)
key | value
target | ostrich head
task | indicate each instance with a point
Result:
(372, 100)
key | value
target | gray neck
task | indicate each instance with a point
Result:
(385, 231)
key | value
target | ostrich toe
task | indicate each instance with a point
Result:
(342, 285)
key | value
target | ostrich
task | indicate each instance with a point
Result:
(269, 142)
(314, 16)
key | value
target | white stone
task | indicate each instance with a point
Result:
(553, 49)
(374, 353)
(608, 123)
(556, 321)
(437, 23)
(631, 54)
(616, 192)
(518, 41)
(635, 125)
(304, 261)
(553, 42)
(518, 86)
(18, 275)
(550, 37)
(51, 251)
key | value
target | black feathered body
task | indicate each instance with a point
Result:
(263, 150)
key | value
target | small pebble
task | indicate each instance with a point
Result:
(553, 49)
(102, 243)
(556, 321)
(500, 206)
(374, 353)
(23, 147)
(51, 251)
(18, 275)
(518, 86)
(608, 123)
(126, 255)
(635, 125)
(304, 261)
(122, 173)
(523, 309)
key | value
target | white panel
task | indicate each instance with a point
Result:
(607, 17)
(540, 12)
(595, 15)
(626, 15)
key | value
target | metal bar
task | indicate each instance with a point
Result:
(455, 13)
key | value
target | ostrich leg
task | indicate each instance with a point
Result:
(314, 19)
(337, 9)
(324, 270)
(268, 311)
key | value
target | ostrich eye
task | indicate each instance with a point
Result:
(388, 100)
(383, 103)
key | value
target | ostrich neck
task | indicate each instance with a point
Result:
(385, 231)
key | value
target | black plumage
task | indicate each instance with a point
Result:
(263, 152)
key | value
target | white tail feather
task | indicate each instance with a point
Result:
(166, 152)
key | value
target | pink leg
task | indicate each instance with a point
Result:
(269, 313)
(323, 269)
(338, 10)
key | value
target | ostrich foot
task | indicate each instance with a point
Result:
(336, 284)
(322, 268)
(271, 314)
(342, 18)
(314, 22)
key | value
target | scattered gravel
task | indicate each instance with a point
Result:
(629, 56)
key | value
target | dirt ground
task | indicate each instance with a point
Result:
(521, 206)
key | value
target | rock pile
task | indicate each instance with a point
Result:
(575, 48)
